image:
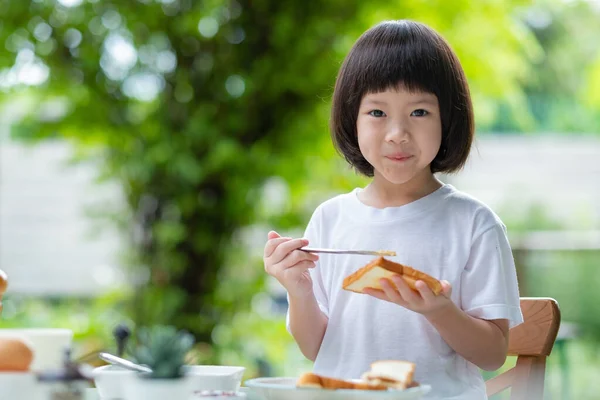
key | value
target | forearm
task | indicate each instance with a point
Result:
(307, 324)
(479, 341)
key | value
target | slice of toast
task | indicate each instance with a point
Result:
(310, 380)
(370, 275)
(393, 374)
(403, 371)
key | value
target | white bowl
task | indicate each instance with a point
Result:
(48, 345)
(113, 382)
(214, 377)
(110, 381)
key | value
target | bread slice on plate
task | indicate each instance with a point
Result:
(370, 275)
(383, 375)
(393, 374)
(311, 380)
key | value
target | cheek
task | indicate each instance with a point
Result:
(363, 135)
(431, 142)
(434, 143)
(364, 146)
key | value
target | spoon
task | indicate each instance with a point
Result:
(121, 362)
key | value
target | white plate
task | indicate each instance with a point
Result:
(285, 389)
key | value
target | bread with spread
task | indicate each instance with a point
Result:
(371, 274)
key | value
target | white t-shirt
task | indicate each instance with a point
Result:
(446, 234)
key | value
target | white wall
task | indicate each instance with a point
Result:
(47, 245)
(559, 173)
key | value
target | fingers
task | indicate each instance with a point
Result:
(392, 292)
(422, 300)
(380, 294)
(424, 290)
(281, 253)
(294, 258)
(405, 291)
(284, 248)
(446, 288)
(306, 264)
(273, 243)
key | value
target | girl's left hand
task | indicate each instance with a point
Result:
(423, 301)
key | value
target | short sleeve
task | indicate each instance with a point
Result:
(312, 233)
(489, 287)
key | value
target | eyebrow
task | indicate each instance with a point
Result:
(423, 100)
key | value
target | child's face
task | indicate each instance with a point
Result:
(399, 133)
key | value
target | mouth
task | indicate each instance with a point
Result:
(399, 157)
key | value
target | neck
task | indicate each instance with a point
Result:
(381, 193)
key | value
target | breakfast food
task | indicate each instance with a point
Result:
(370, 275)
(310, 380)
(392, 374)
(384, 253)
(383, 375)
(15, 355)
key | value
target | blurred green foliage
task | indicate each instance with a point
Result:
(561, 96)
(212, 116)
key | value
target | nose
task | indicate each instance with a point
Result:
(398, 132)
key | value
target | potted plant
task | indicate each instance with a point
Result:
(163, 349)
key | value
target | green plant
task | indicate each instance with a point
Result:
(164, 350)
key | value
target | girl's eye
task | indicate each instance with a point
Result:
(377, 113)
(419, 113)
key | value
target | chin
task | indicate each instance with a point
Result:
(400, 176)
(397, 179)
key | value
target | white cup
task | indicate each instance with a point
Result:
(48, 345)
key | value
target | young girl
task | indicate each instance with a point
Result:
(402, 112)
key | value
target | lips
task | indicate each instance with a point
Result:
(398, 156)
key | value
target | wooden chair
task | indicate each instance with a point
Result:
(532, 343)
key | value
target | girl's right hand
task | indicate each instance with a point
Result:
(289, 265)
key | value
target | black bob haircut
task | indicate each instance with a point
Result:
(405, 54)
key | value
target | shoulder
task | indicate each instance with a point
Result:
(326, 214)
(335, 204)
(467, 207)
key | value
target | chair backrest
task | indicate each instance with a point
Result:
(532, 343)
